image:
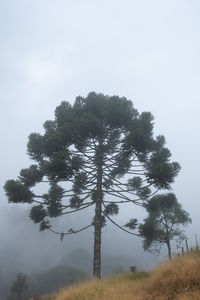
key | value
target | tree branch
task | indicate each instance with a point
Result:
(120, 227)
(78, 209)
(71, 231)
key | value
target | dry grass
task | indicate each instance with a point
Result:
(119, 287)
(177, 279)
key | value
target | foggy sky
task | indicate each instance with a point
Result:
(147, 51)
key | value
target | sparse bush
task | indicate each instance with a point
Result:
(133, 269)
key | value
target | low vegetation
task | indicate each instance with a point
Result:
(176, 279)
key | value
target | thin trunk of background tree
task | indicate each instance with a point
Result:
(169, 250)
(168, 240)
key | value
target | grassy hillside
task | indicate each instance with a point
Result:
(177, 279)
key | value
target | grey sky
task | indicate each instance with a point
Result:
(147, 51)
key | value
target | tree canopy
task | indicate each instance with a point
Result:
(163, 224)
(106, 150)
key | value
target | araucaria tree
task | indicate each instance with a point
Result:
(164, 223)
(106, 150)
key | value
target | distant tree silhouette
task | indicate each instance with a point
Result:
(19, 286)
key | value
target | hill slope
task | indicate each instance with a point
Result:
(177, 279)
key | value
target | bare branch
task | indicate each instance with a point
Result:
(120, 227)
(71, 231)
(81, 193)
(78, 209)
(114, 179)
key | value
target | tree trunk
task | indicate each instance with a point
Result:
(169, 250)
(168, 238)
(97, 241)
(98, 219)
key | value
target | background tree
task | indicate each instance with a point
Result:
(164, 222)
(54, 279)
(93, 144)
(19, 286)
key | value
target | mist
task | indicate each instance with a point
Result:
(147, 51)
